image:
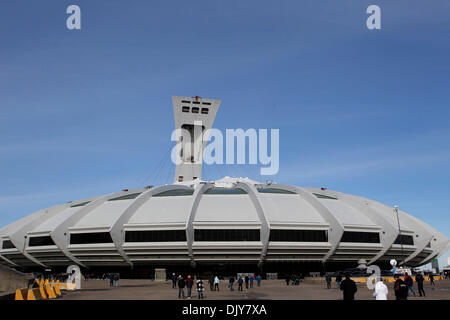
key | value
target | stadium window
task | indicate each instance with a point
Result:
(226, 235)
(185, 101)
(274, 190)
(225, 191)
(281, 235)
(126, 197)
(7, 244)
(80, 204)
(205, 110)
(206, 103)
(195, 102)
(360, 237)
(175, 193)
(404, 239)
(195, 109)
(40, 241)
(155, 236)
(322, 196)
(185, 109)
(88, 238)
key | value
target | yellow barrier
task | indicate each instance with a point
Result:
(50, 292)
(390, 279)
(21, 294)
(35, 294)
(42, 292)
(57, 290)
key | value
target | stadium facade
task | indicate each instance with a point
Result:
(227, 225)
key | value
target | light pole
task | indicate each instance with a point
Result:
(399, 235)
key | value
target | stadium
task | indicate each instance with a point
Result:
(228, 225)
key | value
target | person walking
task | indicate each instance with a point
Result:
(400, 288)
(230, 284)
(174, 281)
(348, 286)
(338, 281)
(328, 281)
(240, 282)
(200, 288)
(247, 279)
(381, 290)
(189, 284)
(181, 285)
(410, 283)
(116, 280)
(420, 279)
(252, 278)
(211, 283)
(258, 280)
(287, 280)
(111, 279)
(431, 279)
(216, 283)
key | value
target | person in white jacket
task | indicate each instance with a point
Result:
(381, 291)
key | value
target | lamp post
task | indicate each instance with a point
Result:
(399, 235)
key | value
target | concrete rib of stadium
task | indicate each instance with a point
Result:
(228, 225)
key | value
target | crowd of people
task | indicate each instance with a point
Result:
(214, 284)
(403, 288)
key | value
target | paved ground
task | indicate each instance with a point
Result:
(270, 289)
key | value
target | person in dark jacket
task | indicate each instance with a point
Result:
(189, 284)
(338, 281)
(400, 288)
(419, 280)
(174, 281)
(240, 282)
(181, 285)
(247, 279)
(410, 283)
(328, 281)
(231, 282)
(431, 279)
(211, 283)
(348, 286)
(111, 279)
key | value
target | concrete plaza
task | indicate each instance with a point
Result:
(270, 289)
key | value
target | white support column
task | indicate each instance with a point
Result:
(198, 193)
(389, 232)
(61, 235)
(19, 237)
(117, 231)
(336, 229)
(265, 224)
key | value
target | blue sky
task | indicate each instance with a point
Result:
(89, 112)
